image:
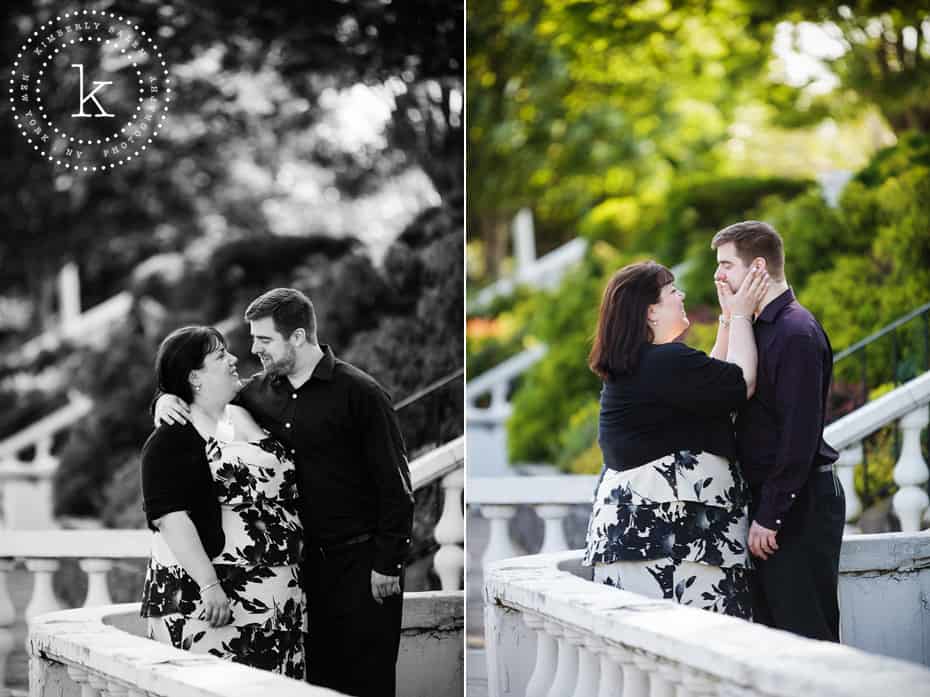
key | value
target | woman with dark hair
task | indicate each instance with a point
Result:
(221, 497)
(670, 512)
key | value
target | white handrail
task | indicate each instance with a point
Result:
(437, 463)
(878, 413)
(77, 408)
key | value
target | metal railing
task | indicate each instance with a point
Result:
(903, 352)
(423, 414)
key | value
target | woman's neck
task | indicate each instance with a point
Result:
(210, 412)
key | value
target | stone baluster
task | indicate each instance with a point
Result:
(697, 684)
(499, 544)
(7, 611)
(553, 534)
(845, 472)
(610, 682)
(97, 591)
(910, 473)
(82, 678)
(590, 650)
(6, 648)
(672, 674)
(587, 666)
(566, 668)
(546, 656)
(43, 596)
(658, 685)
(449, 560)
(635, 680)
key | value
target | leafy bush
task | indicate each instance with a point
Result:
(561, 383)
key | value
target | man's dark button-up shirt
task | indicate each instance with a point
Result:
(341, 428)
(780, 430)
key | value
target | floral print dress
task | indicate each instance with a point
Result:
(258, 567)
(674, 528)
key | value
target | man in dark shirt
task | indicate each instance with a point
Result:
(355, 492)
(798, 509)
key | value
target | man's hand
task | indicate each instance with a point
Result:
(762, 542)
(382, 586)
(170, 409)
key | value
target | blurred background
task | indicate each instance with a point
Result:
(314, 145)
(601, 133)
(640, 130)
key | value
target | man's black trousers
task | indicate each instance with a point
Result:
(795, 589)
(353, 641)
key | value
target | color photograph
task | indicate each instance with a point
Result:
(697, 347)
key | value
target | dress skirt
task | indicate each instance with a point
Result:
(674, 528)
(258, 567)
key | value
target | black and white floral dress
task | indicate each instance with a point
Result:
(256, 484)
(670, 513)
(674, 528)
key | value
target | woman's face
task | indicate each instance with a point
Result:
(218, 378)
(668, 318)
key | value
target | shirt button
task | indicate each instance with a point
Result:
(294, 396)
(287, 425)
(792, 495)
(777, 522)
(398, 566)
(293, 451)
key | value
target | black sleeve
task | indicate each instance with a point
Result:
(686, 378)
(386, 456)
(170, 465)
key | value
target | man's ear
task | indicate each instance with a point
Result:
(298, 337)
(760, 263)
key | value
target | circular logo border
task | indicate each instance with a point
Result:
(28, 122)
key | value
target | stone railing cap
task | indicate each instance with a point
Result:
(773, 662)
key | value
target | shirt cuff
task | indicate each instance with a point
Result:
(773, 509)
(391, 552)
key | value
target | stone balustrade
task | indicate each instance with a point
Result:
(26, 484)
(102, 652)
(551, 632)
(908, 405)
(486, 424)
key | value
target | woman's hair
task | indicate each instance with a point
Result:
(622, 329)
(182, 351)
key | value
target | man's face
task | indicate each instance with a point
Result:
(730, 268)
(277, 354)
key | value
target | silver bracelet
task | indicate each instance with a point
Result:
(724, 322)
(209, 586)
(746, 317)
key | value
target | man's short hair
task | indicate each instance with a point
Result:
(753, 238)
(288, 308)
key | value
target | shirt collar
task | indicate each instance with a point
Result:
(323, 369)
(773, 309)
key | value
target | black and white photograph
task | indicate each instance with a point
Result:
(232, 348)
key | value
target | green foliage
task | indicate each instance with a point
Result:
(561, 383)
(860, 294)
(580, 453)
(696, 209)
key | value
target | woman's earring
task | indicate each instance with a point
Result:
(196, 388)
(653, 322)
